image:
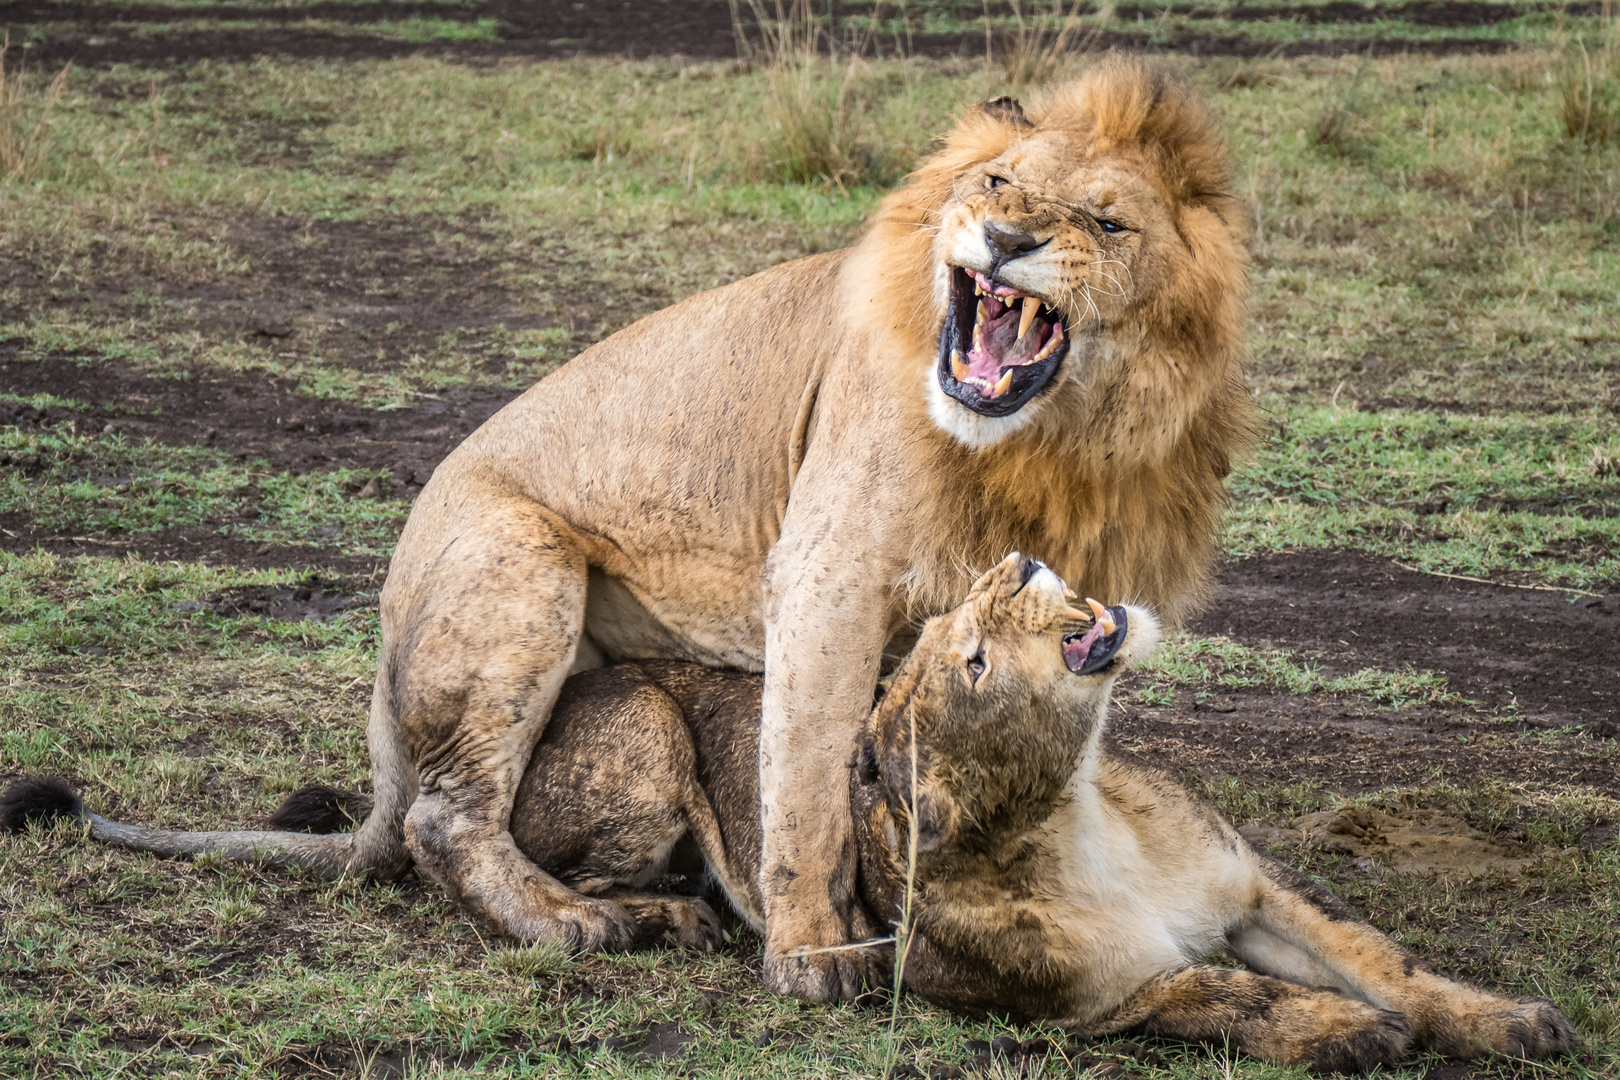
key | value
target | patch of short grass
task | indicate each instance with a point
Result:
(1452, 492)
(1202, 663)
(109, 485)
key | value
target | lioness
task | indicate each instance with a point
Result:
(1053, 878)
(1037, 344)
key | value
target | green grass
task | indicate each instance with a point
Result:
(115, 960)
(108, 485)
(1491, 494)
(1436, 345)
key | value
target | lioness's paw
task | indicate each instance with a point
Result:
(690, 920)
(1527, 1028)
(824, 976)
(1369, 1038)
(586, 924)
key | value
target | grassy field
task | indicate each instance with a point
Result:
(368, 252)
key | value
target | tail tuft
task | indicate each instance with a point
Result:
(319, 808)
(37, 800)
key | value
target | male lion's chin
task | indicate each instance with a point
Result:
(999, 346)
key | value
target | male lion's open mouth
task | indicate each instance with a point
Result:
(1090, 651)
(999, 345)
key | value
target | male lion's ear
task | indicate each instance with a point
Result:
(1005, 109)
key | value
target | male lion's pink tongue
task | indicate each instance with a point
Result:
(998, 346)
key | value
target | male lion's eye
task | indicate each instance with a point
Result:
(1111, 226)
(975, 666)
(996, 181)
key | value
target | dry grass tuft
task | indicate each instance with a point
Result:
(1037, 44)
(23, 145)
(813, 76)
(1588, 83)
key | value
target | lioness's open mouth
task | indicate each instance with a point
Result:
(1091, 651)
(999, 345)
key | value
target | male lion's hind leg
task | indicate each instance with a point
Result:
(479, 642)
(1267, 1018)
(1303, 933)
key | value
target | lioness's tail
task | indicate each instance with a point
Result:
(376, 848)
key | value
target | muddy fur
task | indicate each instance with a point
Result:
(1055, 879)
(767, 471)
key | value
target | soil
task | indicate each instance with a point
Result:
(1556, 654)
(700, 29)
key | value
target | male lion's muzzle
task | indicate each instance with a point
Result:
(999, 346)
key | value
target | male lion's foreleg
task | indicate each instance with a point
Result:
(482, 640)
(1302, 933)
(1266, 1018)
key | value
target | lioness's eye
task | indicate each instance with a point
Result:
(976, 666)
(1111, 226)
(996, 181)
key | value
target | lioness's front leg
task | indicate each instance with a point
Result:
(1302, 933)
(477, 643)
(826, 623)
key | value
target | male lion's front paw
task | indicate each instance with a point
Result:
(819, 977)
(690, 920)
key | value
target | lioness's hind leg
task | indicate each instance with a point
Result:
(479, 639)
(1268, 1018)
(1302, 933)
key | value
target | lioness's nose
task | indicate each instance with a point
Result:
(1008, 244)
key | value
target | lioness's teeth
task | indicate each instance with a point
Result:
(1074, 614)
(1070, 594)
(1002, 384)
(1107, 626)
(959, 370)
(1097, 609)
(983, 311)
(1032, 308)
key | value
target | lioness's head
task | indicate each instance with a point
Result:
(1049, 259)
(1004, 694)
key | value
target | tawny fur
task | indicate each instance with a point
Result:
(1055, 879)
(765, 477)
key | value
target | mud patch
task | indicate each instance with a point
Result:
(1553, 657)
(257, 417)
(1345, 745)
(19, 534)
(1424, 842)
(700, 29)
(315, 599)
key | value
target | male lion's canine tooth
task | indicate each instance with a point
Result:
(1032, 308)
(959, 370)
(1003, 384)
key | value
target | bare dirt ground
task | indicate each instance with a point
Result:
(701, 29)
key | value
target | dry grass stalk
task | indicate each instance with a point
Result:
(1037, 44)
(22, 147)
(811, 71)
(1589, 86)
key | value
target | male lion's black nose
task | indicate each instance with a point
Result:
(1008, 244)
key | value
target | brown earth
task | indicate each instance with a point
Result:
(701, 29)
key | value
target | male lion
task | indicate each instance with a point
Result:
(1036, 345)
(1053, 878)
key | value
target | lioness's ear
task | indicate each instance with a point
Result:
(1005, 109)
